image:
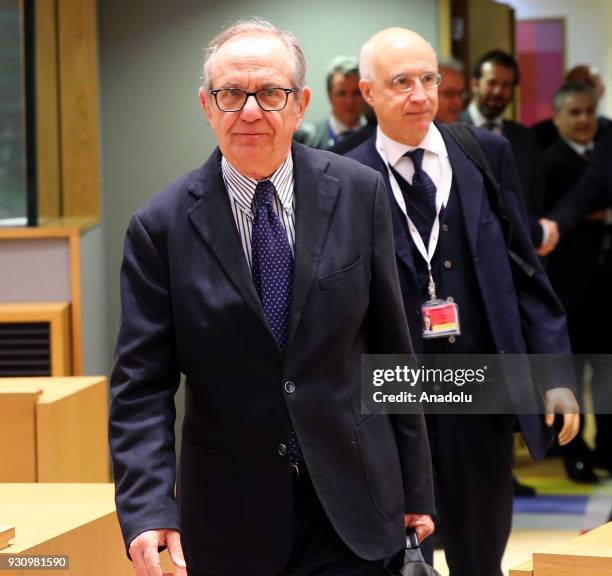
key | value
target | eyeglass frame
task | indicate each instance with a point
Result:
(410, 89)
(287, 91)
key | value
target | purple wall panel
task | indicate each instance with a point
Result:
(541, 57)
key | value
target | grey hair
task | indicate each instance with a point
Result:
(253, 26)
(572, 89)
(345, 65)
(452, 64)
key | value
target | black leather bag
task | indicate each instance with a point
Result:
(409, 562)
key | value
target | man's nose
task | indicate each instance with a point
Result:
(417, 94)
(251, 110)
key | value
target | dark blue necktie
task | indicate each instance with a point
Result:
(273, 277)
(421, 182)
(272, 262)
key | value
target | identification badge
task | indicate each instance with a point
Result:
(440, 318)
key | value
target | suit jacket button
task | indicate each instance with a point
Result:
(447, 264)
(282, 450)
(289, 387)
(444, 227)
(451, 339)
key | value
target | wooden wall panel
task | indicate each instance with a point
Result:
(79, 102)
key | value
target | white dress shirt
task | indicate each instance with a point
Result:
(435, 160)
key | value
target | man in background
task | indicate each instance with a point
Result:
(547, 132)
(347, 107)
(451, 92)
(494, 79)
(580, 268)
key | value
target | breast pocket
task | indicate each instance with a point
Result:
(343, 278)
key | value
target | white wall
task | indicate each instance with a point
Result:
(588, 37)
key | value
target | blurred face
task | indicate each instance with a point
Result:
(576, 120)
(494, 90)
(345, 98)
(400, 58)
(255, 142)
(451, 95)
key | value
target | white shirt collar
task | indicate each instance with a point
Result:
(338, 127)
(242, 189)
(432, 142)
(577, 147)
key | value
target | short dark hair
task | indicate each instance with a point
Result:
(572, 89)
(497, 57)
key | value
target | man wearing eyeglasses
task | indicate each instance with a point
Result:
(451, 93)
(452, 254)
(262, 277)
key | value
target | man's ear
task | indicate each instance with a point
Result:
(205, 103)
(366, 91)
(305, 96)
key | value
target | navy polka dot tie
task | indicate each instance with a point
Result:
(272, 262)
(273, 277)
(421, 182)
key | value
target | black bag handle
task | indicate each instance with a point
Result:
(463, 135)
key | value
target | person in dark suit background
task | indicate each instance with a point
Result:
(546, 130)
(263, 276)
(494, 79)
(347, 107)
(579, 268)
(451, 93)
(427, 174)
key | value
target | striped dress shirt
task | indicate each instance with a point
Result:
(241, 191)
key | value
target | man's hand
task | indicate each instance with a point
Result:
(143, 551)
(552, 236)
(422, 524)
(562, 401)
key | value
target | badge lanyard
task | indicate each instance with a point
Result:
(426, 253)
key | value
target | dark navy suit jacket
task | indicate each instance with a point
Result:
(189, 306)
(523, 313)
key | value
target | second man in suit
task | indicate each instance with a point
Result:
(448, 234)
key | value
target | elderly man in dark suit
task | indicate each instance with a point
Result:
(494, 79)
(263, 276)
(448, 237)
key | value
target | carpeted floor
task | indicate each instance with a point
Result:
(561, 510)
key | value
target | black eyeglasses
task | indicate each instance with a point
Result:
(268, 99)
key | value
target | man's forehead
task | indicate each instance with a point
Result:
(256, 55)
(252, 50)
(497, 70)
(574, 101)
(407, 61)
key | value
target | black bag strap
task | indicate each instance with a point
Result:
(464, 137)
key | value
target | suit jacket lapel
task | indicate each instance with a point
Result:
(212, 217)
(470, 188)
(316, 193)
(401, 235)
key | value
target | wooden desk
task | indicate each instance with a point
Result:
(74, 519)
(54, 430)
(586, 555)
(524, 569)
